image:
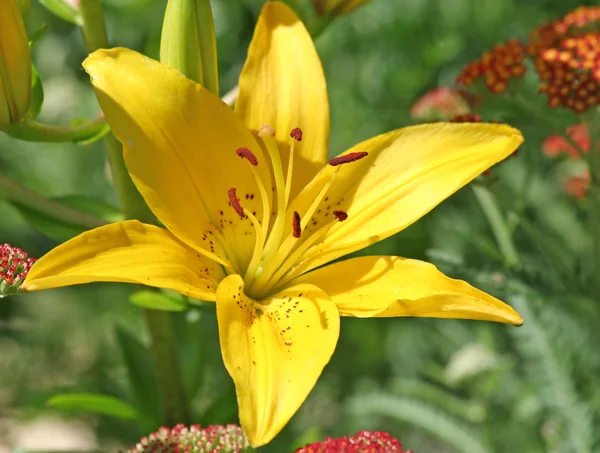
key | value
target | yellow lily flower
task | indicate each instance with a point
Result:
(252, 212)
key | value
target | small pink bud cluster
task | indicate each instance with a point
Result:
(180, 439)
(14, 266)
(362, 442)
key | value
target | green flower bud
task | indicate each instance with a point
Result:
(188, 41)
(15, 65)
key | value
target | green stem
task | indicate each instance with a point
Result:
(164, 347)
(15, 193)
(501, 232)
(32, 131)
(594, 197)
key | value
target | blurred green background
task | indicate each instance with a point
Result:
(437, 385)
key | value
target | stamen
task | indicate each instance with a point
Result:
(297, 231)
(235, 202)
(340, 215)
(296, 134)
(295, 256)
(350, 157)
(265, 129)
(278, 258)
(245, 153)
(258, 248)
(267, 136)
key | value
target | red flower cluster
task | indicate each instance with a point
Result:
(362, 442)
(14, 266)
(497, 67)
(180, 439)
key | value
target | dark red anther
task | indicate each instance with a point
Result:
(235, 202)
(297, 230)
(347, 158)
(245, 153)
(340, 215)
(296, 134)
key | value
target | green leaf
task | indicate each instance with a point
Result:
(156, 301)
(61, 231)
(142, 379)
(36, 35)
(407, 410)
(53, 228)
(64, 10)
(98, 208)
(93, 402)
(37, 94)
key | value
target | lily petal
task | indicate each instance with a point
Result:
(283, 85)
(406, 174)
(179, 142)
(390, 286)
(274, 351)
(130, 252)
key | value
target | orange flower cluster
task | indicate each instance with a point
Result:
(497, 67)
(566, 54)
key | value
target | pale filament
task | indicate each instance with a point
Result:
(273, 257)
(278, 258)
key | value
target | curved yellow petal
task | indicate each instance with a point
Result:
(389, 286)
(274, 351)
(130, 252)
(406, 174)
(283, 85)
(179, 143)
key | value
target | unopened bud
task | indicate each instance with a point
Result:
(336, 7)
(15, 65)
(188, 41)
(14, 266)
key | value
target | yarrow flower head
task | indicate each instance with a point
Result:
(566, 55)
(361, 442)
(211, 439)
(496, 67)
(252, 210)
(14, 266)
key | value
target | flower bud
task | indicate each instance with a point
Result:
(15, 65)
(14, 266)
(188, 41)
(212, 439)
(336, 7)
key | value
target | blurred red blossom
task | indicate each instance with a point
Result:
(577, 186)
(361, 442)
(554, 145)
(440, 103)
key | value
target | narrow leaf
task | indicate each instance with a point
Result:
(92, 402)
